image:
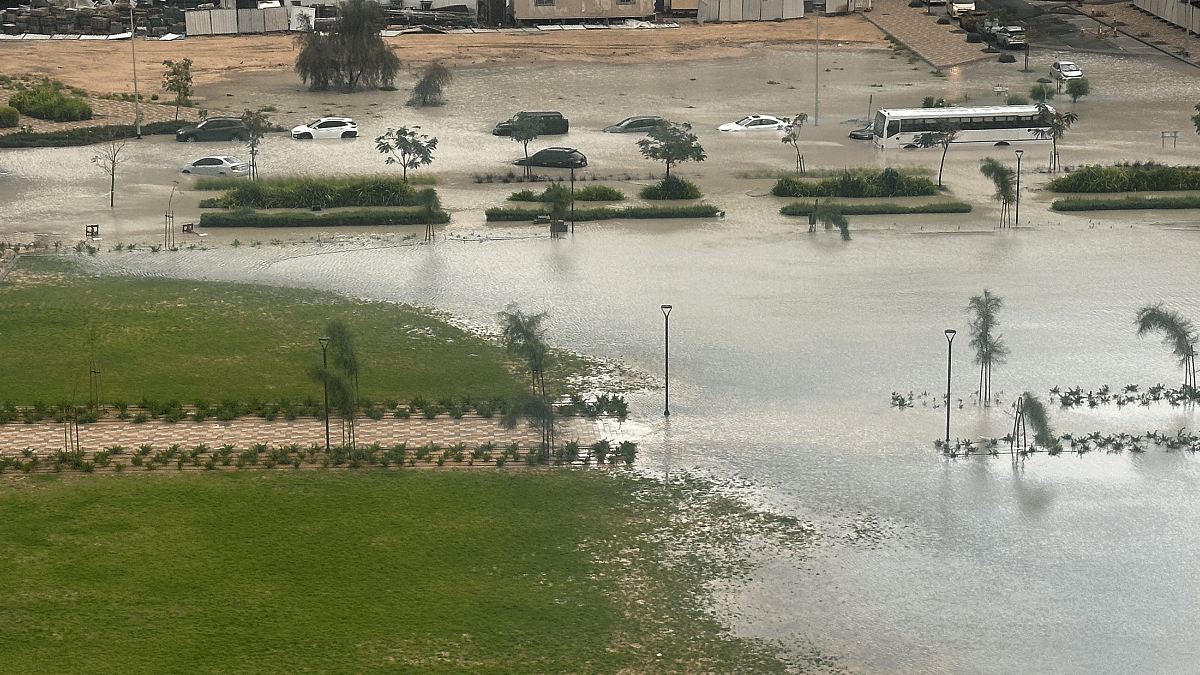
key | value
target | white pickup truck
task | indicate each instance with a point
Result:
(958, 6)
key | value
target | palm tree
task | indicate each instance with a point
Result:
(524, 336)
(989, 348)
(1178, 334)
(1002, 176)
(943, 137)
(1057, 123)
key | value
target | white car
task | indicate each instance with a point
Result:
(217, 166)
(327, 127)
(755, 123)
(1065, 70)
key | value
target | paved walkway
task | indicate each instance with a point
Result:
(48, 438)
(937, 44)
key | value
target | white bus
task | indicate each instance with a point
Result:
(993, 125)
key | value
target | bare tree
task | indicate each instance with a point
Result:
(109, 159)
(792, 137)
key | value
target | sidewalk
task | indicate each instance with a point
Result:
(939, 45)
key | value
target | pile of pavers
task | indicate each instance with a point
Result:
(43, 17)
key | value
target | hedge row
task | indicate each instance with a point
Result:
(1127, 203)
(48, 103)
(633, 212)
(886, 183)
(805, 208)
(86, 136)
(1133, 178)
(305, 192)
(591, 193)
(363, 218)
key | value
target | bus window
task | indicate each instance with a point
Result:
(893, 128)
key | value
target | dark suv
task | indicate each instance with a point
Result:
(215, 129)
(550, 122)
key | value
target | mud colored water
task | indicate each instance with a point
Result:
(786, 346)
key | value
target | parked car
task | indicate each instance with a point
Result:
(1065, 70)
(327, 127)
(755, 123)
(551, 122)
(635, 125)
(563, 158)
(215, 129)
(217, 166)
(1011, 36)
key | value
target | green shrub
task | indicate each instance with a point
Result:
(9, 116)
(599, 193)
(1127, 203)
(49, 103)
(1137, 177)
(327, 193)
(886, 183)
(1007, 58)
(633, 212)
(805, 208)
(671, 188)
(523, 196)
(1017, 99)
(974, 38)
(359, 218)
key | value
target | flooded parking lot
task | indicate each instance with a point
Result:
(786, 345)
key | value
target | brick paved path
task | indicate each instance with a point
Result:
(937, 44)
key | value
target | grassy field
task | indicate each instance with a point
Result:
(350, 572)
(166, 339)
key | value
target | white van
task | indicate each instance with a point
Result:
(958, 6)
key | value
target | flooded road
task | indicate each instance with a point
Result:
(786, 345)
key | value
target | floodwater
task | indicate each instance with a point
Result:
(785, 346)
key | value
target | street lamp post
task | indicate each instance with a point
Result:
(666, 310)
(1017, 219)
(950, 332)
(325, 378)
(137, 103)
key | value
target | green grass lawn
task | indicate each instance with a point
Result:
(352, 572)
(167, 339)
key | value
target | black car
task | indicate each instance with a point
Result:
(863, 134)
(561, 158)
(635, 125)
(215, 129)
(549, 122)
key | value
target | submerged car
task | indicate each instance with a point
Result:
(755, 123)
(561, 158)
(327, 127)
(634, 125)
(549, 122)
(217, 165)
(1065, 70)
(214, 129)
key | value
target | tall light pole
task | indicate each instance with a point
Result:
(1017, 220)
(949, 351)
(666, 310)
(137, 112)
(325, 378)
(817, 70)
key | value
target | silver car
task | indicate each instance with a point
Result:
(1065, 70)
(217, 165)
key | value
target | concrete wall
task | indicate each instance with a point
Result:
(565, 10)
(1173, 11)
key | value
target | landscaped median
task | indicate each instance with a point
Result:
(1131, 203)
(356, 218)
(1123, 178)
(887, 208)
(632, 213)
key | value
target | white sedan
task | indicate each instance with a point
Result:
(1065, 70)
(217, 166)
(755, 123)
(327, 127)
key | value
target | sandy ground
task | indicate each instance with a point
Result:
(106, 66)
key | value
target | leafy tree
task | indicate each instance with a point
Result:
(257, 124)
(792, 137)
(943, 137)
(525, 128)
(1057, 124)
(831, 215)
(341, 377)
(559, 198)
(931, 102)
(352, 55)
(989, 347)
(1035, 413)
(428, 90)
(525, 337)
(109, 159)
(1196, 118)
(672, 143)
(1002, 176)
(1178, 334)
(1077, 88)
(407, 148)
(1041, 92)
(178, 79)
